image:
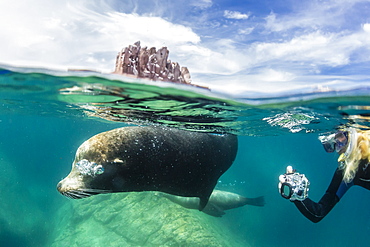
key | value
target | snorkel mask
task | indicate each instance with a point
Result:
(334, 142)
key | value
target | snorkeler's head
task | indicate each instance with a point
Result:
(335, 142)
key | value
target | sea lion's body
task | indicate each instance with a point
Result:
(218, 202)
(169, 160)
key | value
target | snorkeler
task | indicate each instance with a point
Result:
(353, 146)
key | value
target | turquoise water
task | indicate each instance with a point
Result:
(46, 115)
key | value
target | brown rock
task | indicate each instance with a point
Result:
(151, 64)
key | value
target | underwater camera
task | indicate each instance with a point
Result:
(293, 185)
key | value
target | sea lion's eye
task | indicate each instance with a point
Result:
(99, 169)
(88, 168)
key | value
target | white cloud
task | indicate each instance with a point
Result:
(218, 58)
(202, 4)
(235, 15)
(247, 85)
(312, 47)
(246, 31)
(366, 27)
(275, 66)
(330, 49)
(314, 15)
(285, 23)
(77, 35)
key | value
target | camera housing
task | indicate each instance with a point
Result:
(294, 186)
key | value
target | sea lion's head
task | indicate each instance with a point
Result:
(94, 170)
(78, 183)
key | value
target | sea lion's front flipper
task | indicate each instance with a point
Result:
(203, 202)
(204, 198)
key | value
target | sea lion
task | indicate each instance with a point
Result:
(173, 161)
(218, 202)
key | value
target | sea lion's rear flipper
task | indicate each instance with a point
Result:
(213, 210)
(258, 201)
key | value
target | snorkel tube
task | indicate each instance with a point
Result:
(352, 136)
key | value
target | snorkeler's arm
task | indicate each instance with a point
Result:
(317, 211)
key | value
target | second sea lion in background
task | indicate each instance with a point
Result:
(217, 203)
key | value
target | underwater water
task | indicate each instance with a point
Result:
(46, 115)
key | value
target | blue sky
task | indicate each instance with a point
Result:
(235, 47)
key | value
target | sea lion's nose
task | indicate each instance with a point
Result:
(59, 186)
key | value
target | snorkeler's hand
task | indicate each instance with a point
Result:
(292, 185)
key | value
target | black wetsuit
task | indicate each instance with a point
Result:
(337, 188)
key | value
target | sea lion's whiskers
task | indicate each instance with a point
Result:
(67, 194)
(97, 191)
(75, 194)
(91, 192)
(83, 193)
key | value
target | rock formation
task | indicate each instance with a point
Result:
(137, 219)
(150, 63)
